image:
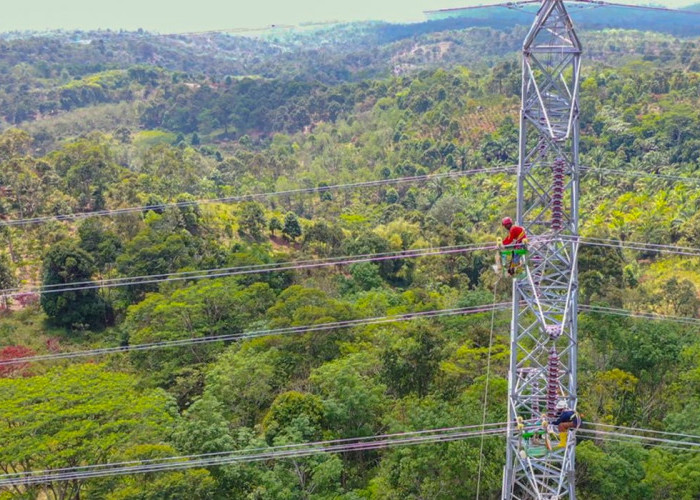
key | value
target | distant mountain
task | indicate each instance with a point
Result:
(585, 16)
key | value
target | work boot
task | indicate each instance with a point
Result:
(562, 439)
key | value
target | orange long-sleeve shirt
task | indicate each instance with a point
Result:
(516, 235)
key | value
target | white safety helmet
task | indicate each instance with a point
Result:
(561, 404)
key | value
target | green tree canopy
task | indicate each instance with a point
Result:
(87, 415)
(66, 263)
(292, 228)
(252, 221)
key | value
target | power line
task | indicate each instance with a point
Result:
(639, 173)
(596, 3)
(595, 435)
(646, 439)
(255, 196)
(641, 315)
(314, 263)
(648, 431)
(234, 270)
(322, 327)
(657, 438)
(486, 387)
(260, 333)
(476, 7)
(243, 270)
(625, 437)
(638, 245)
(314, 190)
(253, 454)
(603, 3)
(249, 269)
(252, 449)
(256, 454)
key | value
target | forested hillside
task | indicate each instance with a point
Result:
(281, 192)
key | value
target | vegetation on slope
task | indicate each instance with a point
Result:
(165, 134)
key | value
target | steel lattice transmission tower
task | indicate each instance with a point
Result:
(543, 328)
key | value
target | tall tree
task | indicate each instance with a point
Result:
(7, 277)
(252, 222)
(66, 263)
(292, 228)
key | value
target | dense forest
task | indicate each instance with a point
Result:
(233, 155)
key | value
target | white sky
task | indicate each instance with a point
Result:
(168, 16)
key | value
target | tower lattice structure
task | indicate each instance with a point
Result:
(543, 328)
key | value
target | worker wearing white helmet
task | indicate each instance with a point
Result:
(566, 420)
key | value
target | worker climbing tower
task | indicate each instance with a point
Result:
(543, 328)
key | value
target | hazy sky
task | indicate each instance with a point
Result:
(168, 16)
